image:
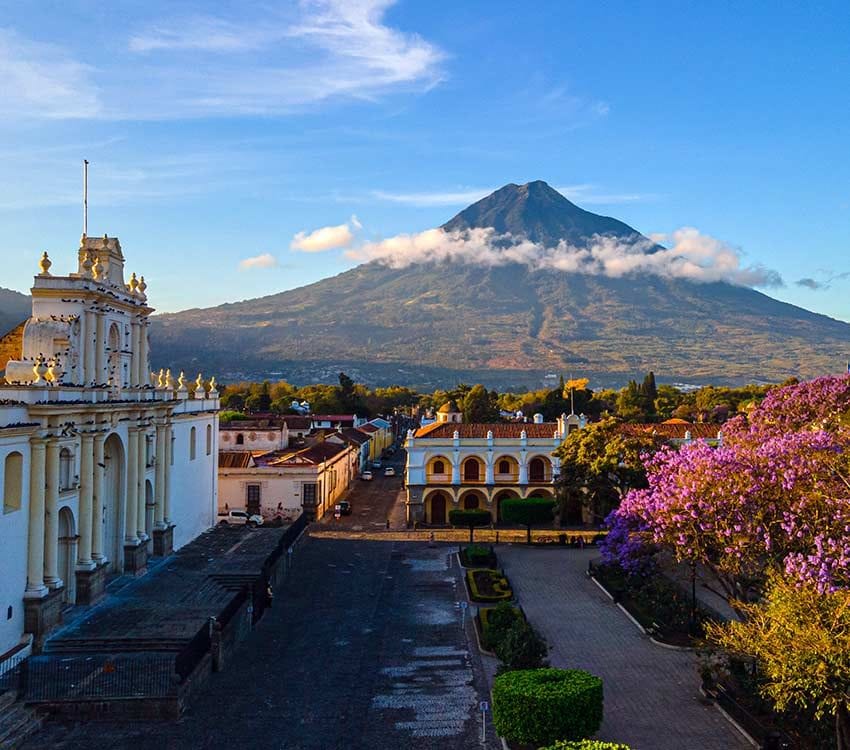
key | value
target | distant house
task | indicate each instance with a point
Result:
(680, 432)
(335, 421)
(362, 441)
(288, 482)
(254, 435)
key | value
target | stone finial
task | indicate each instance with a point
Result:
(200, 391)
(55, 372)
(154, 379)
(87, 266)
(39, 369)
(134, 283)
(105, 240)
(142, 286)
(161, 382)
(213, 388)
(169, 380)
(44, 264)
(97, 269)
(181, 383)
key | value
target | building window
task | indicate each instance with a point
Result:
(193, 443)
(171, 450)
(537, 470)
(504, 466)
(13, 478)
(240, 439)
(66, 469)
(148, 451)
(439, 467)
(209, 440)
(9, 613)
(308, 495)
(471, 471)
(252, 498)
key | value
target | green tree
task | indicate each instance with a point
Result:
(471, 519)
(480, 405)
(601, 463)
(527, 512)
(667, 399)
(800, 638)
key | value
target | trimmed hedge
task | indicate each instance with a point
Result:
(521, 647)
(477, 556)
(481, 579)
(586, 745)
(470, 519)
(542, 706)
(495, 623)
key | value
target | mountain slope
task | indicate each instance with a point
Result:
(509, 324)
(14, 309)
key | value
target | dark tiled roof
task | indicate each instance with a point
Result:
(368, 428)
(234, 459)
(297, 422)
(499, 430)
(354, 435)
(676, 430)
(315, 454)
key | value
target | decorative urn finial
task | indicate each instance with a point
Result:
(169, 380)
(97, 269)
(181, 382)
(44, 264)
(134, 283)
(87, 266)
(142, 286)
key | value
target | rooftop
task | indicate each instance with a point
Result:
(503, 430)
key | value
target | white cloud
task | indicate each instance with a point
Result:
(43, 81)
(692, 255)
(326, 238)
(265, 260)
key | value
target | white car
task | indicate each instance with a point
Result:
(366, 476)
(239, 518)
(389, 472)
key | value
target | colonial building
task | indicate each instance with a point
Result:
(453, 465)
(288, 482)
(102, 463)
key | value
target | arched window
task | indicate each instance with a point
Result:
(209, 439)
(439, 467)
(537, 470)
(504, 467)
(240, 439)
(66, 469)
(471, 471)
(13, 477)
(193, 443)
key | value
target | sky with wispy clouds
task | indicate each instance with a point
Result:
(252, 147)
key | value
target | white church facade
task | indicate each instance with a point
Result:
(102, 463)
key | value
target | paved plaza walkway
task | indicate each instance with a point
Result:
(652, 699)
(363, 649)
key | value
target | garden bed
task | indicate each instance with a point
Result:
(661, 608)
(488, 626)
(487, 585)
(477, 556)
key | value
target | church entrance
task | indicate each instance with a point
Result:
(112, 512)
(68, 555)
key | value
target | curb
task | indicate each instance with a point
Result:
(743, 732)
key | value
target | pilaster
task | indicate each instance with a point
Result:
(35, 541)
(130, 515)
(51, 516)
(98, 500)
(84, 550)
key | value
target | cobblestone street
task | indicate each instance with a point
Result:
(362, 649)
(652, 699)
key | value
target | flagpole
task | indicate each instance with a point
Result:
(85, 197)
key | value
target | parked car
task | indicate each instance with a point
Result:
(344, 507)
(389, 472)
(239, 518)
(366, 476)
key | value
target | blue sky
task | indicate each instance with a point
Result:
(217, 132)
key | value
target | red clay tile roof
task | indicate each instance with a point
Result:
(676, 430)
(354, 435)
(499, 429)
(370, 428)
(297, 423)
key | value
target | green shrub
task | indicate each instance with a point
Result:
(586, 745)
(477, 552)
(528, 511)
(488, 586)
(542, 706)
(521, 647)
(495, 623)
(470, 519)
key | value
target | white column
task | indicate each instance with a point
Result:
(135, 346)
(159, 490)
(35, 540)
(98, 500)
(144, 364)
(141, 505)
(51, 516)
(89, 361)
(166, 504)
(101, 375)
(456, 468)
(523, 468)
(489, 477)
(130, 515)
(84, 561)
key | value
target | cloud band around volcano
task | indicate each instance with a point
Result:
(691, 255)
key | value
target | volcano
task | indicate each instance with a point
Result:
(435, 323)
